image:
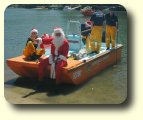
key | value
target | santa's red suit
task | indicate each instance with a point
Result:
(57, 59)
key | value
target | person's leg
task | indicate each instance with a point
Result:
(99, 38)
(113, 36)
(42, 67)
(107, 36)
(55, 82)
(41, 73)
(40, 52)
(84, 39)
(92, 38)
(59, 66)
(88, 43)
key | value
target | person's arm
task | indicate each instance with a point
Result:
(104, 23)
(117, 26)
(64, 54)
(27, 42)
(44, 40)
(47, 40)
(92, 20)
(103, 17)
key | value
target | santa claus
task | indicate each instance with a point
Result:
(58, 57)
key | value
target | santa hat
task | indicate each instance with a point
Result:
(58, 30)
(34, 30)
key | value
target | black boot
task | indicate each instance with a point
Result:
(54, 88)
(107, 48)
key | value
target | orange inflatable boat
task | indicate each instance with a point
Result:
(76, 72)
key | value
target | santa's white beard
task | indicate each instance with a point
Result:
(58, 41)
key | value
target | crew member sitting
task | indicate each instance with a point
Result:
(58, 57)
(31, 52)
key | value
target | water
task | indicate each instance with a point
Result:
(110, 86)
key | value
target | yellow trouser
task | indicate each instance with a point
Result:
(110, 33)
(87, 39)
(88, 43)
(96, 38)
(30, 49)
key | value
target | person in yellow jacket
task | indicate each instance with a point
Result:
(111, 28)
(31, 52)
(96, 33)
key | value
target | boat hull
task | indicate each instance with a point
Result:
(76, 72)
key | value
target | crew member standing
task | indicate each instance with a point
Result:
(96, 33)
(111, 28)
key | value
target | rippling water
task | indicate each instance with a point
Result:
(110, 86)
